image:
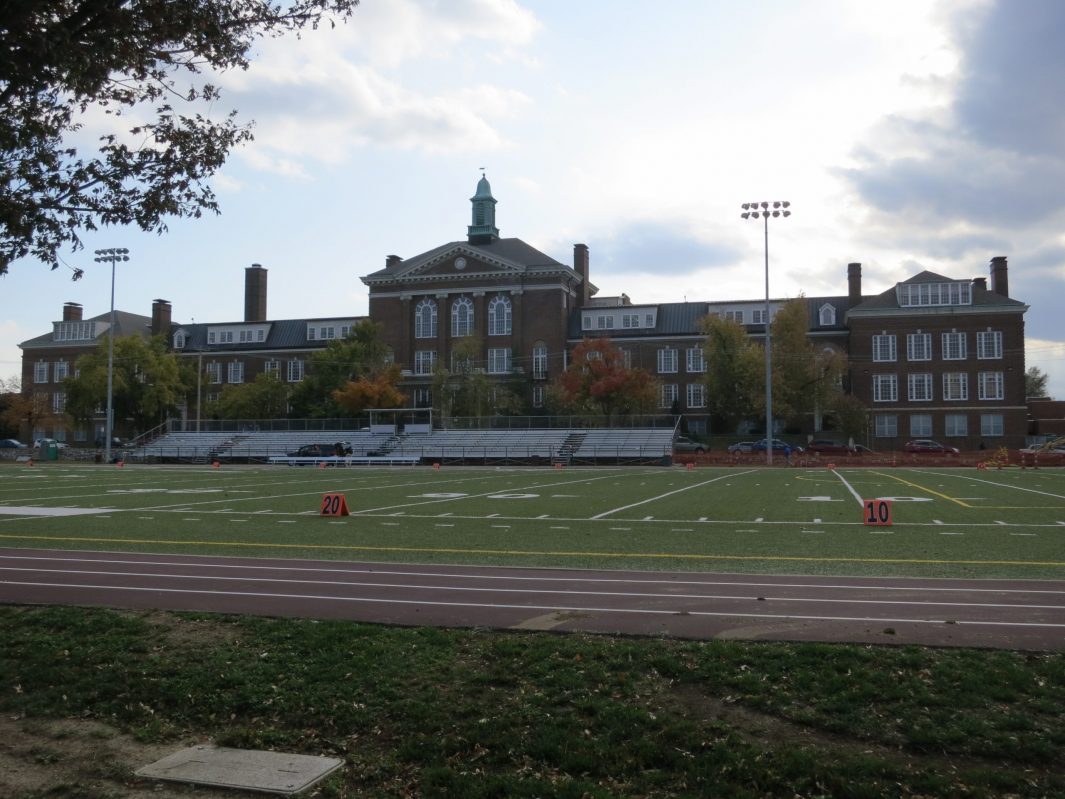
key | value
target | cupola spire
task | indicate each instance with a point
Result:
(482, 229)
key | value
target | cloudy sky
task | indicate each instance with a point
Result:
(907, 135)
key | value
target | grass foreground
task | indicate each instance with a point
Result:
(460, 713)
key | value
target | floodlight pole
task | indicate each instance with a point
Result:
(112, 256)
(753, 211)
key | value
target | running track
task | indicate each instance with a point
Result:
(1012, 614)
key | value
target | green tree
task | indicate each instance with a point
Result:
(380, 390)
(806, 377)
(464, 388)
(735, 372)
(266, 397)
(360, 354)
(66, 61)
(852, 417)
(27, 414)
(148, 383)
(1035, 382)
(598, 382)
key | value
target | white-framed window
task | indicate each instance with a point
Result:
(247, 336)
(538, 396)
(500, 316)
(539, 361)
(40, 372)
(423, 397)
(696, 360)
(604, 322)
(954, 346)
(462, 317)
(424, 361)
(757, 316)
(991, 424)
(919, 388)
(626, 358)
(885, 388)
(630, 320)
(273, 368)
(586, 323)
(667, 361)
(668, 395)
(499, 360)
(884, 347)
(989, 344)
(955, 386)
(61, 371)
(885, 425)
(425, 319)
(696, 395)
(921, 425)
(735, 316)
(919, 346)
(225, 337)
(211, 336)
(295, 370)
(74, 331)
(179, 340)
(649, 320)
(236, 372)
(912, 294)
(260, 335)
(59, 402)
(827, 314)
(214, 372)
(990, 386)
(955, 424)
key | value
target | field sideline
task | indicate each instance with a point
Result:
(947, 522)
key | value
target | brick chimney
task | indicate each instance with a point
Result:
(71, 312)
(980, 283)
(854, 284)
(580, 266)
(1000, 283)
(160, 318)
(392, 261)
(255, 293)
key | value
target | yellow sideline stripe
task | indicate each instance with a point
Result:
(929, 490)
(456, 551)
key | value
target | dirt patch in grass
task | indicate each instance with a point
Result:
(79, 759)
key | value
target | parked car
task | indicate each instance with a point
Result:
(782, 447)
(44, 442)
(314, 451)
(11, 443)
(742, 446)
(682, 444)
(826, 447)
(929, 446)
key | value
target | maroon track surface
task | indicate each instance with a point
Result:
(1012, 614)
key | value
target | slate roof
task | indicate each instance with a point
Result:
(888, 300)
(126, 324)
(514, 250)
(284, 334)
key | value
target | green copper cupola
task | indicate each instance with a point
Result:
(483, 228)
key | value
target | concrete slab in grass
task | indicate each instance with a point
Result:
(244, 769)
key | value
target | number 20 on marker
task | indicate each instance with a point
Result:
(877, 513)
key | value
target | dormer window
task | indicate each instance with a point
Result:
(179, 340)
(827, 315)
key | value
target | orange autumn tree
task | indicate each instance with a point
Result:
(376, 390)
(598, 381)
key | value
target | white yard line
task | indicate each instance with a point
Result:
(671, 493)
(855, 494)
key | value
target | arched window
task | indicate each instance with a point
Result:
(425, 319)
(828, 315)
(499, 316)
(462, 317)
(539, 355)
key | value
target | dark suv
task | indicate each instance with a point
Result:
(314, 451)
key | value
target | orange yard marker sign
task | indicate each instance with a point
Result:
(691, 467)
(877, 513)
(334, 505)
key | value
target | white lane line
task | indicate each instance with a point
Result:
(850, 488)
(535, 591)
(205, 561)
(670, 493)
(565, 608)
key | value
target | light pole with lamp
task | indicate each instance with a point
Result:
(764, 210)
(112, 256)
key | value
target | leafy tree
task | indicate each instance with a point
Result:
(30, 412)
(1035, 382)
(735, 373)
(806, 377)
(464, 388)
(852, 417)
(266, 397)
(9, 393)
(371, 391)
(597, 381)
(64, 61)
(361, 354)
(147, 382)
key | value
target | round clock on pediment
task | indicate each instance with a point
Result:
(460, 263)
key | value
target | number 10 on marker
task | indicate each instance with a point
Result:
(877, 513)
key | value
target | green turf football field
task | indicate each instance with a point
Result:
(955, 522)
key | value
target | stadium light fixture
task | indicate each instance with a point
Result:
(755, 211)
(112, 256)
